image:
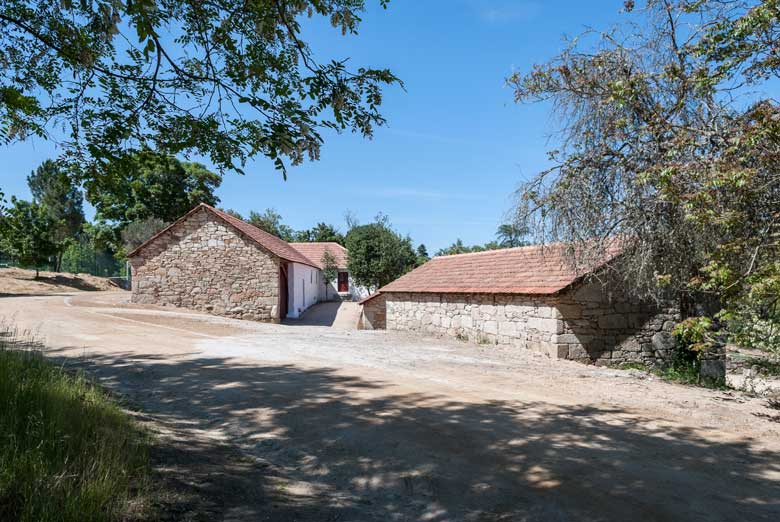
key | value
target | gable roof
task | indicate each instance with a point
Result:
(315, 251)
(530, 270)
(268, 241)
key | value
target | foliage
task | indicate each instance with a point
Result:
(137, 232)
(85, 256)
(378, 254)
(151, 185)
(330, 269)
(320, 233)
(695, 334)
(271, 222)
(231, 212)
(511, 235)
(26, 234)
(660, 152)
(224, 80)
(422, 256)
(67, 451)
(459, 248)
(54, 188)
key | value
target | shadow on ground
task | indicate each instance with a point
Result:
(320, 314)
(313, 445)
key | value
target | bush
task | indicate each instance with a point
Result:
(67, 451)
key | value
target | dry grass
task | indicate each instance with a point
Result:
(17, 281)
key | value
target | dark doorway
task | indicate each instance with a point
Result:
(283, 291)
(343, 282)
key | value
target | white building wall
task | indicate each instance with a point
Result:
(356, 292)
(303, 285)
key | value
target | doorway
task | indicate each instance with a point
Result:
(343, 282)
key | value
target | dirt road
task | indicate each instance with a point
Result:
(307, 423)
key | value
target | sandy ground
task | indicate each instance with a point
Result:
(308, 423)
(17, 281)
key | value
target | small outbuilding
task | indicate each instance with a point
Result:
(528, 297)
(212, 261)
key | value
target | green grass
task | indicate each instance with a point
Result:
(67, 451)
(680, 371)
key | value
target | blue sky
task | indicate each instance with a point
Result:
(456, 146)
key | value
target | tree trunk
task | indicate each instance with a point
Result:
(58, 261)
(36, 272)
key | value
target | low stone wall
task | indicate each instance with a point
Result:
(373, 315)
(482, 318)
(586, 324)
(204, 264)
(606, 327)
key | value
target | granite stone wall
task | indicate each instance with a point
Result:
(586, 324)
(373, 315)
(205, 264)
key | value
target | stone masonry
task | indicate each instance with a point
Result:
(585, 323)
(374, 313)
(204, 264)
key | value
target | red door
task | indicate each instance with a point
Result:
(283, 291)
(343, 282)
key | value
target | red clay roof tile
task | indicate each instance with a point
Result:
(532, 270)
(315, 250)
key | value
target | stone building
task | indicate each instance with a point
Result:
(212, 261)
(526, 297)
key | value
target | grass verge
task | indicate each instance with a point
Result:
(68, 452)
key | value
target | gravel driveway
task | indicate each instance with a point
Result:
(308, 423)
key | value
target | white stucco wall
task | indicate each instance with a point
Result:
(304, 285)
(355, 292)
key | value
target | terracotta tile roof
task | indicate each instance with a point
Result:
(368, 298)
(532, 270)
(268, 241)
(315, 251)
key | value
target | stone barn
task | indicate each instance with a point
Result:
(525, 297)
(212, 261)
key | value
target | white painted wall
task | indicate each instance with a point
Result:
(358, 292)
(303, 288)
(355, 292)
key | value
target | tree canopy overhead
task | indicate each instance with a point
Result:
(662, 149)
(151, 185)
(226, 80)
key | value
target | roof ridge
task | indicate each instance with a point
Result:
(496, 250)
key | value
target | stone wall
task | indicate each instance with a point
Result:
(205, 264)
(586, 324)
(604, 326)
(482, 318)
(373, 315)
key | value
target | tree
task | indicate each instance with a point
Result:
(54, 189)
(151, 185)
(26, 234)
(661, 156)
(231, 212)
(320, 233)
(219, 79)
(511, 235)
(459, 248)
(137, 232)
(377, 254)
(330, 270)
(271, 222)
(422, 256)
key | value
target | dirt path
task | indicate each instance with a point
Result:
(306, 423)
